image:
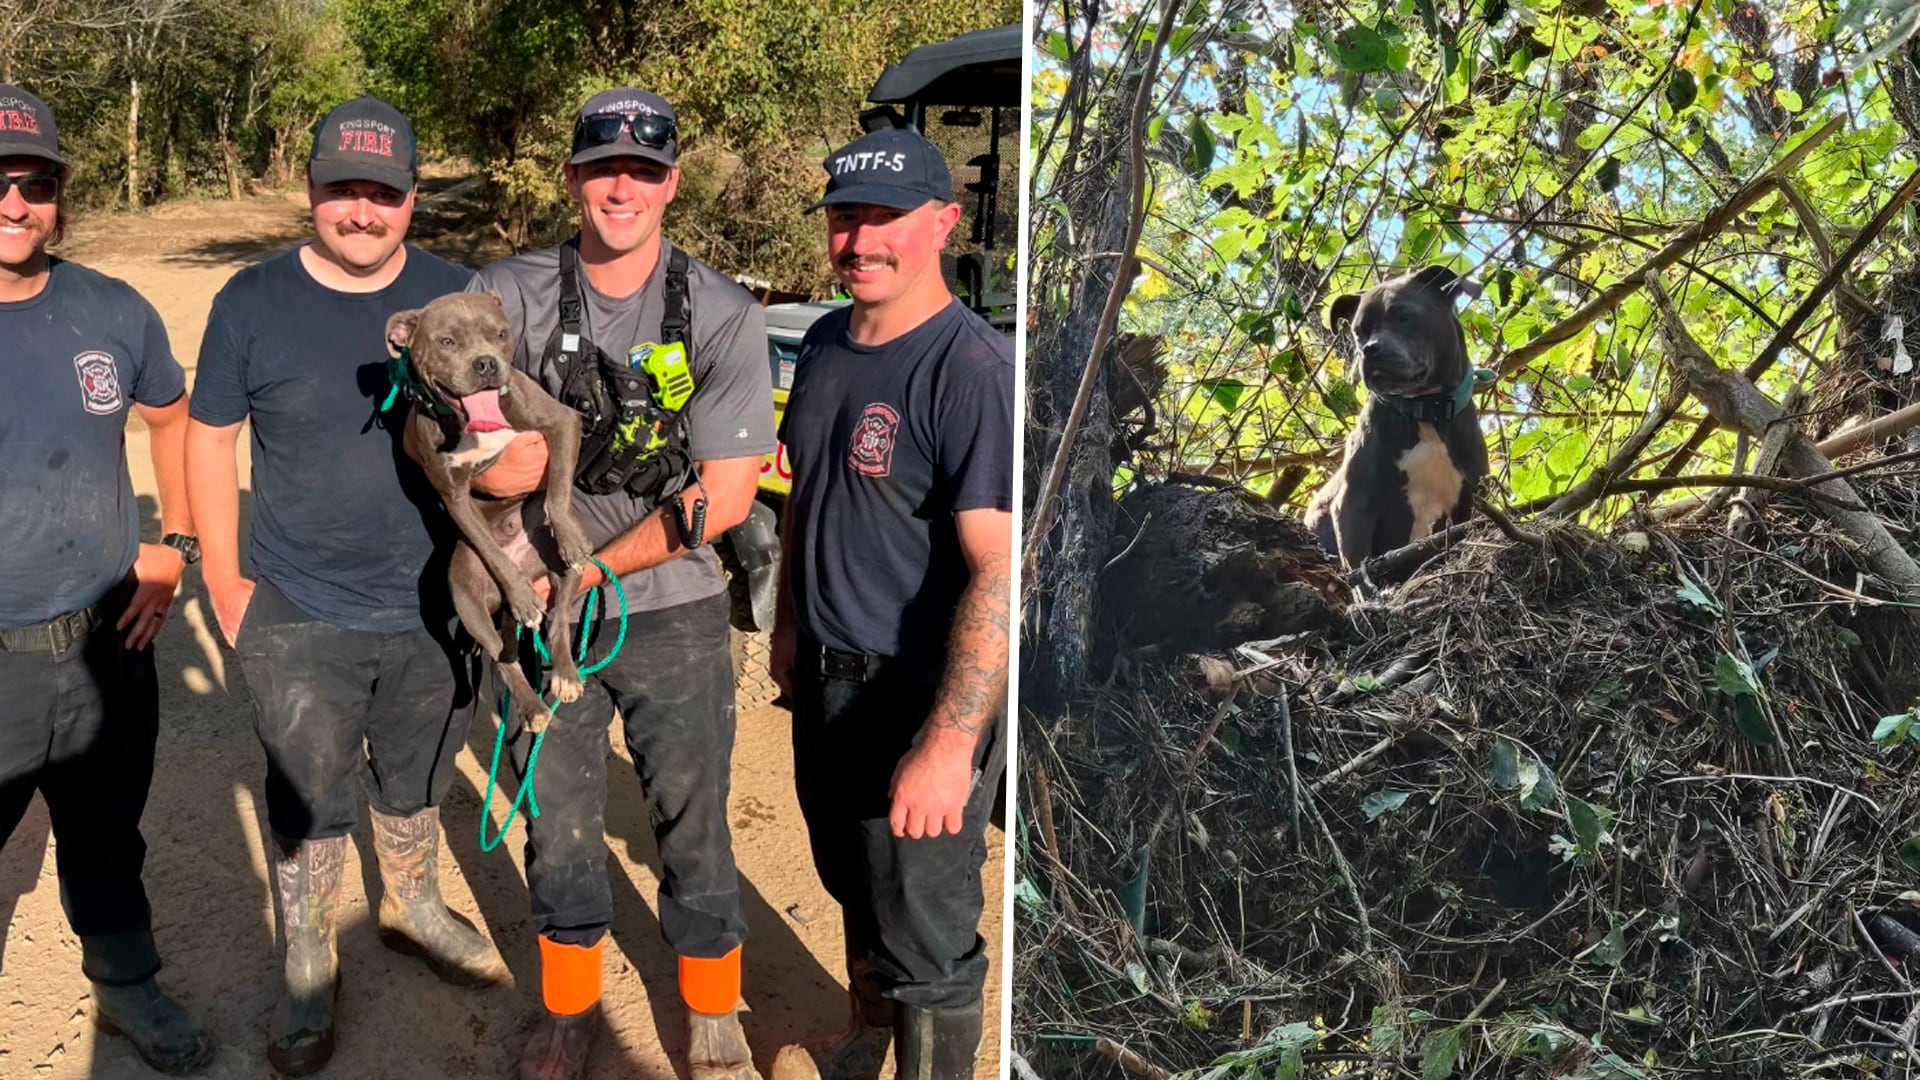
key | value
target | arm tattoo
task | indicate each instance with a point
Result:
(978, 652)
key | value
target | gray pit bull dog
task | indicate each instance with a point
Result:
(1417, 453)
(470, 402)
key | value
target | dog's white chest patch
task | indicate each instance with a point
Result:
(1433, 481)
(485, 446)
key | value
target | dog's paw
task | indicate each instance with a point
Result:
(567, 686)
(536, 719)
(527, 609)
(573, 545)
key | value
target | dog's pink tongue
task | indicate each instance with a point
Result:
(483, 411)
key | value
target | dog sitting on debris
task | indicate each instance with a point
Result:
(1417, 454)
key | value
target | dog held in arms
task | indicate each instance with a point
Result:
(470, 403)
(1417, 454)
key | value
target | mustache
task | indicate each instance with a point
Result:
(348, 228)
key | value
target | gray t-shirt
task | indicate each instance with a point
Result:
(729, 416)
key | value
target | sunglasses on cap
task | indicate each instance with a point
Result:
(649, 129)
(34, 187)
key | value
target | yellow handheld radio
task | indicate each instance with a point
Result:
(666, 366)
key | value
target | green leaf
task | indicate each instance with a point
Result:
(1592, 137)
(1693, 594)
(1289, 366)
(1342, 399)
(1384, 802)
(1589, 824)
(1891, 731)
(1611, 950)
(1199, 160)
(1360, 49)
(1910, 852)
(1027, 895)
(1440, 1053)
(1225, 392)
(1732, 675)
(1367, 683)
(1133, 895)
(1505, 765)
(1681, 90)
(1429, 17)
(1751, 718)
(1057, 45)
(1788, 100)
(1385, 1039)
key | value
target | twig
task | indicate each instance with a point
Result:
(1735, 400)
(1610, 298)
(1131, 544)
(1507, 527)
(1734, 480)
(1359, 762)
(1129, 1060)
(1346, 875)
(1046, 508)
(1776, 780)
(1043, 809)
(1765, 359)
(1020, 1066)
(1293, 767)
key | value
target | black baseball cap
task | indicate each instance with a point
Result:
(365, 139)
(26, 127)
(639, 109)
(892, 167)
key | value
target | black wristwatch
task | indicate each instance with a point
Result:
(187, 546)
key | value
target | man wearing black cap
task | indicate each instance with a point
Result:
(586, 314)
(80, 597)
(891, 636)
(344, 630)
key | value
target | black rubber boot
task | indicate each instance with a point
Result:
(560, 1046)
(413, 918)
(935, 1044)
(128, 1002)
(859, 1051)
(307, 877)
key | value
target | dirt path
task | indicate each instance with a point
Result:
(207, 871)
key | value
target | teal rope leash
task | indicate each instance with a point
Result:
(506, 703)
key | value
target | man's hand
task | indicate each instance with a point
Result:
(519, 470)
(230, 602)
(930, 788)
(156, 573)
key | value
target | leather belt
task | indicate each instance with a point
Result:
(56, 635)
(864, 667)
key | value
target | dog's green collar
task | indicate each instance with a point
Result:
(1440, 408)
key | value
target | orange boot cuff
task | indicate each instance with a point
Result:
(711, 986)
(570, 976)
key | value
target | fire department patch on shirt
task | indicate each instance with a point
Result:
(873, 439)
(99, 382)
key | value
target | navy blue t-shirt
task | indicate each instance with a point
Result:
(887, 443)
(344, 522)
(75, 357)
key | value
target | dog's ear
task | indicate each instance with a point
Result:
(400, 330)
(1342, 309)
(1448, 283)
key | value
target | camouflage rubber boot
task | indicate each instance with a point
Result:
(935, 1044)
(128, 1002)
(413, 918)
(307, 876)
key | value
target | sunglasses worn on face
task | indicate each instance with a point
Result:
(34, 187)
(648, 130)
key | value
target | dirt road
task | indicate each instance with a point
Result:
(207, 871)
